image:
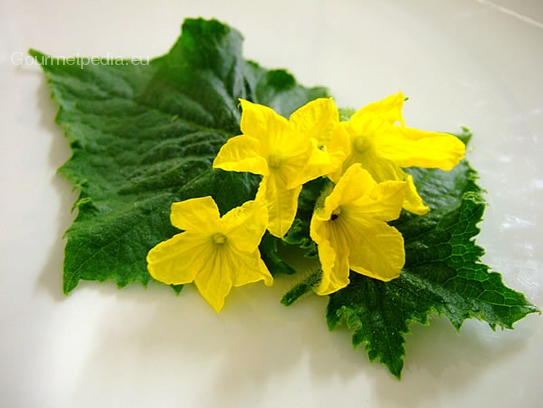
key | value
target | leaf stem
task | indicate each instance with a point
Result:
(302, 288)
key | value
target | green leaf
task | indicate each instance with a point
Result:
(145, 135)
(443, 274)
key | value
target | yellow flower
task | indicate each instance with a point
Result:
(351, 230)
(383, 145)
(215, 253)
(287, 153)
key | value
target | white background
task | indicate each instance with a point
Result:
(467, 62)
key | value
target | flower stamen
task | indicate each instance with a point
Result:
(219, 239)
(274, 161)
(362, 143)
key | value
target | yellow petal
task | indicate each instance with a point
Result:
(316, 119)
(178, 260)
(356, 182)
(413, 201)
(265, 125)
(377, 250)
(252, 270)
(299, 170)
(293, 171)
(196, 214)
(338, 148)
(282, 204)
(242, 153)
(412, 147)
(226, 268)
(384, 202)
(244, 226)
(320, 163)
(375, 115)
(359, 195)
(333, 255)
(382, 170)
(215, 284)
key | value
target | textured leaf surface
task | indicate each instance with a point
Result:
(144, 136)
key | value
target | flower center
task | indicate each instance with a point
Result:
(362, 143)
(335, 214)
(219, 239)
(274, 161)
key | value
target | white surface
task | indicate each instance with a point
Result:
(473, 63)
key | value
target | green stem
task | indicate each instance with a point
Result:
(302, 288)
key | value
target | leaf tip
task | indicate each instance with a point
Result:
(35, 53)
(177, 289)
(466, 135)
(69, 284)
